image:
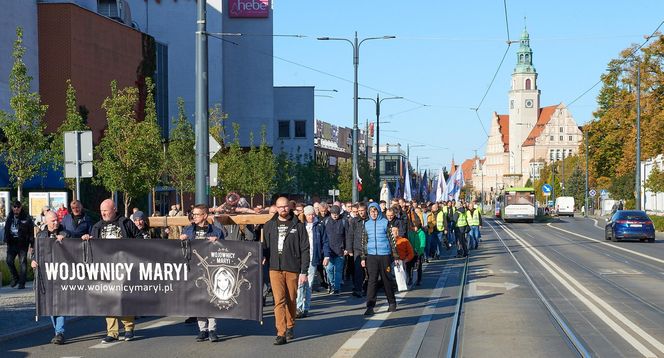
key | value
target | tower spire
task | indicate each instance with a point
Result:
(524, 55)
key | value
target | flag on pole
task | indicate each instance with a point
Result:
(406, 191)
(434, 188)
(397, 191)
(441, 187)
(455, 184)
(424, 185)
(359, 180)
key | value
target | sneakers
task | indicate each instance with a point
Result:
(369, 311)
(58, 339)
(13, 282)
(335, 292)
(129, 335)
(392, 308)
(357, 294)
(202, 336)
(190, 320)
(305, 314)
(108, 339)
(289, 334)
(280, 340)
(212, 336)
(298, 314)
(21, 286)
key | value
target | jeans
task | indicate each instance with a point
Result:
(462, 244)
(359, 274)
(451, 234)
(22, 253)
(474, 236)
(427, 245)
(440, 243)
(303, 301)
(207, 324)
(335, 269)
(58, 324)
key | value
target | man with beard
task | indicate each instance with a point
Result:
(112, 227)
(287, 250)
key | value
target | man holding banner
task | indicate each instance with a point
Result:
(201, 229)
(112, 226)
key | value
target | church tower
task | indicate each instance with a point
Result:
(524, 104)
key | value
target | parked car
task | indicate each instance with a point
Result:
(630, 224)
(565, 206)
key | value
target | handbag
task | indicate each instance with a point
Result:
(400, 275)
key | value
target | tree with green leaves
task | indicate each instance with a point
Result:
(345, 180)
(26, 149)
(285, 174)
(73, 122)
(181, 161)
(655, 181)
(265, 166)
(130, 153)
(232, 165)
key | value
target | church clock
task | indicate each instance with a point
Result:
(529, 103)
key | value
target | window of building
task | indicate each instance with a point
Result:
(561, 129)
(570, 138)
(561, 138)
(552, 156)
(284, 129)
(558, 157)
(528, 83)
(300, 129)
(390, 167)
(551, 138)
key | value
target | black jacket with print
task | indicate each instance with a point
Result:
(294, 256)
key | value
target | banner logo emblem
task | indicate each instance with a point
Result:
(223, 280)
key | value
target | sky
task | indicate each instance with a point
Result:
(444, 57)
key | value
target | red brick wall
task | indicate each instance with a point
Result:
(89, 49)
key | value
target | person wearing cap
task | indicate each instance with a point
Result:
(19, 237)
(144, 230)
(315, 232)
(334, 248)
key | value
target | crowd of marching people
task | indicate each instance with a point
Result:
(357, 248)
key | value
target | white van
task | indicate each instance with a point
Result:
(565, 205)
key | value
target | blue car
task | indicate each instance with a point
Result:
(630, 224)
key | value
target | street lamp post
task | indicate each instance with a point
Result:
(638, 136)
(585, 135)
(378, 101)
(356, 60)
(202, 159)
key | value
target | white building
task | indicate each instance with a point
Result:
(521, 142)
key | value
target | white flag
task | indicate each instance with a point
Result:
(406, 191)
(441, 188)
(455, 184)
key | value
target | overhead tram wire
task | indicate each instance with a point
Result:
(621, 62)
(500, 65)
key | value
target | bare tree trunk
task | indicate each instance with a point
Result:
(19, 191)
(127, 200)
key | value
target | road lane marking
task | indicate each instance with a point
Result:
(414, 343)
(568, 281)
(476, 288)
(355, 343)
(608, 244)
(597, 224)
(159, 324)
(105, 345)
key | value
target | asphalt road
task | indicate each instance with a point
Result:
(607, 295)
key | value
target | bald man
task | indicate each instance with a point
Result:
(113, 226)
(287, 250)
(54, 231)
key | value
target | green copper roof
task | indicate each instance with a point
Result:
(524, 55)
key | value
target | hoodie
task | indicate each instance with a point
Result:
(377, 240)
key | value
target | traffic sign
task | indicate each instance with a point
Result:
(592, 193)
(550, 203)
(213, 146)
(547, 189)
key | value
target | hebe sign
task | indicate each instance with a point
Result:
(249, 8)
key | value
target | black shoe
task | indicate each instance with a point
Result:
(392, 308)
(13, 283)
(58, 339)
(369, 311)
(280, 340)
(298, 314)
(21, 286)
(357, 294)
(212, 336)
(418, 283)
(335, 292)
(305, 314)
(289, 334)
(108, 339)
(202, 336)
(129, 335)
(191, 320)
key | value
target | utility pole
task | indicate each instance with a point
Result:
(638, 136)
(585, 134)
(202, 145)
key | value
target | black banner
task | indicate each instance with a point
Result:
(135, 277)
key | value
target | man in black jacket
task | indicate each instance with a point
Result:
(19, 237)
(354, 248)
(113, 226)
(334, 248)
(287, 250)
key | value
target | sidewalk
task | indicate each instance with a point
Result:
(17, 312)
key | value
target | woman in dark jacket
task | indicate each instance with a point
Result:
(316, 234)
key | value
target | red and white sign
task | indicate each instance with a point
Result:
(249, 8)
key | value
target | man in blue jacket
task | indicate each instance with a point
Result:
(315, 232)
(202, 229)
(379, 249)
(77, 223)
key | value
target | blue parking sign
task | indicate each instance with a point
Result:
(547, 189)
